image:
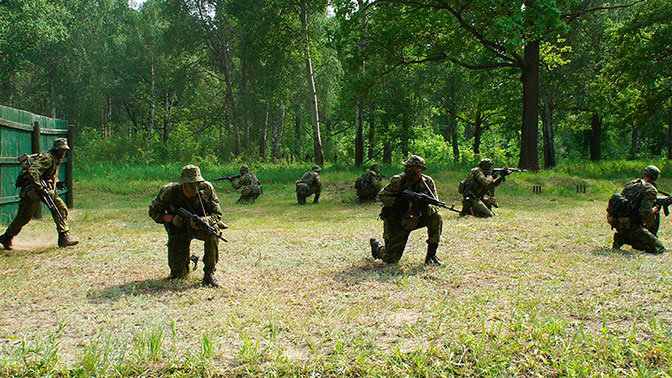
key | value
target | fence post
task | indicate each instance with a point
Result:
(69, 196)
(37, 147)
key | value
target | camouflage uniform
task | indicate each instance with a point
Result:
(478, 196)
(251, 187)
(641, 233)
(308, 185)
(45, 167)
(401, 216)
(368, 185)
(204, 204)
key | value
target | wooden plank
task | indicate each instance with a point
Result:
(9, 199)
(54, 131)
(15, 125)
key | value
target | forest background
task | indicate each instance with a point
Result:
(527, 83)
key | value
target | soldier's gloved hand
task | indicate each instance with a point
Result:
(42, 192)
(61, 185)
(177, 221)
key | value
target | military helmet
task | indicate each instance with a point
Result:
(60, 144)
(244, 168)
(486, 163)
(191, 173)
(651, 171)
(375, 166)
(415, 161)
(316, 168)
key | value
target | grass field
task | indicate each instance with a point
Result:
(535, 291)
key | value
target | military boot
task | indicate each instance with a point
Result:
(65, 240)
(431, 258)
(194, 259)
(618, 241)
(375, 245)
(210, 279)
(6, 241)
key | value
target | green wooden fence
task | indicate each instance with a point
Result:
(22, 132)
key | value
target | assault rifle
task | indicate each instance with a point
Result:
(188, 216)
(505, 172)
(664, 202)
(425, 199)
(227, 178)
(46, 198)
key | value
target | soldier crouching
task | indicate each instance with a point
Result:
(401, 216)
(197, 196)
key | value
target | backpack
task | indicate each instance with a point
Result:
(618, 206)
(463, 186)
(359, 183)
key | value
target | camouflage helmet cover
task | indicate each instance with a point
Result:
(415, 161)
(375, 166)
(244, 168)
(651, 171)
(316, 168)
(191, 173)
(485, 163)
(60, 144)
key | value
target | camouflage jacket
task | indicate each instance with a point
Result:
(172, 194)
(311, 178)
(480, 184)
(45, 167)
(398, 183)
(370, 179)
(247, 179)
(641, 196)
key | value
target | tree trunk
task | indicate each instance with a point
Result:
(152, 107)
(278, 133)
(529, 158)
(478, 130)
(229, 94)
(595, 134)
(547, 131)
(387, 153)
(453, 138)
(262, 138)
(246, 105)
(371, 137)
(312, 93)
(167, 118)
(359, 134)
(668, 142)
(297, 132)
(634, 143)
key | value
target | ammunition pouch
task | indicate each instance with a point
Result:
(410, 221)
(619, 223)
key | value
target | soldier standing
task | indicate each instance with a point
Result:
(251, 189)
(641, 229)
(308, 185)
(368, 185)
(478, 190)
(44, 169)
(197, 196)
(401, 216)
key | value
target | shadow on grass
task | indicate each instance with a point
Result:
(377, 271)
(606, 251)
(137, 288)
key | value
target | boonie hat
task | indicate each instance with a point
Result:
(415, 161)
(651, 171)
(191, 173)
(316, 168)
(60, 144)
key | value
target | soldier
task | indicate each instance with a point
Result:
(368, 185)
(197, 196)
(401, 216)
(44, 168)
(641, 232)
(478, 190)
(309, 184)
(251, 187)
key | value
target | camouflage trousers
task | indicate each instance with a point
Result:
(368, 194)
(179, 241)
(304, 190)
(396, 236)
(640, 238)
(249, 193)
(28, 205)
(475, 207)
